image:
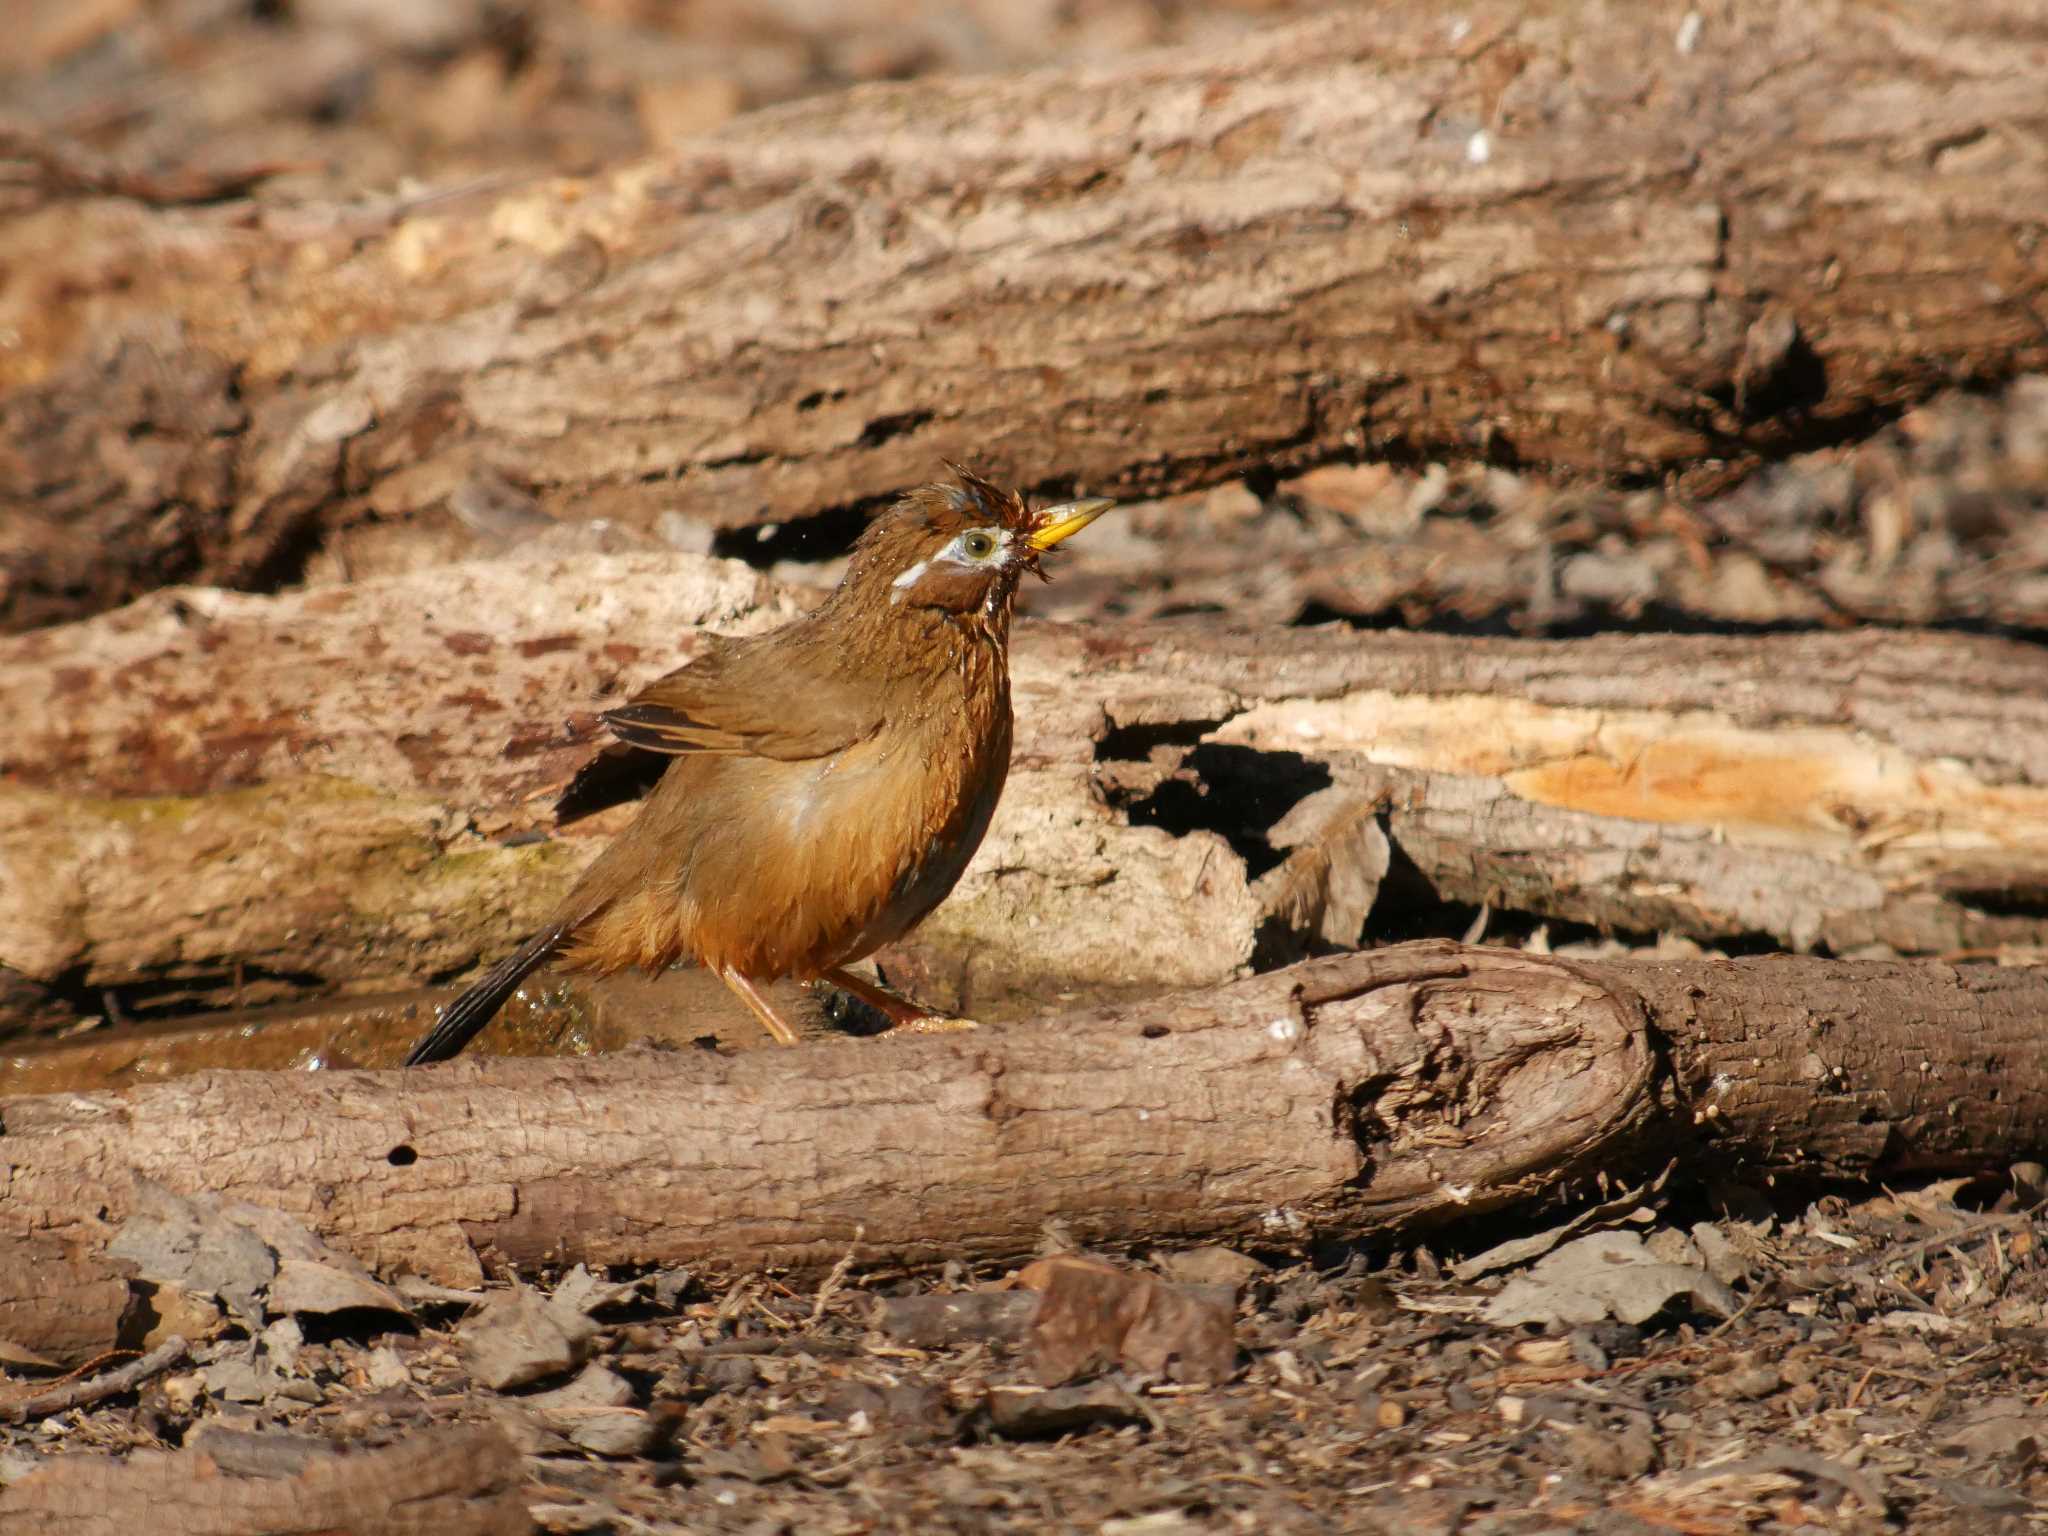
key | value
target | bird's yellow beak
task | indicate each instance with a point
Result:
(1065, 520)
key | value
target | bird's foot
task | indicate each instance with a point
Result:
(904, 1016)
(778, 1029)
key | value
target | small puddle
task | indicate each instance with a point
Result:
(554, 1016)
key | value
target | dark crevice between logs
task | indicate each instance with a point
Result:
(821, 536)
(1168, 776)
(1586, 619)
(2018, 901)
(829, 533)
(1589, 619)
(1237, 792)
(285, 563)
(70, 996)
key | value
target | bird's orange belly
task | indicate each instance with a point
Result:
(855, 853)
(930, 878)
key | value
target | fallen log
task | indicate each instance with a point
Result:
(1359, 1096)
(1186, 801)
(452, 1482)
(1588, 241)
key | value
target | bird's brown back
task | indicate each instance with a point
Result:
(775, 867)
(827, 784)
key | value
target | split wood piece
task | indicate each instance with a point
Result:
(438, 1482)
(1563, 235)
(1361, 1095)
(157, 829)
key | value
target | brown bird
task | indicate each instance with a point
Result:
(826, 784)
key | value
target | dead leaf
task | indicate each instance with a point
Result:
(191, 1243)
(519, 1337)
(256, 1260)
(17, 1357)
(1602, 1275)
(939, 1322)
(1998, 1429)
(1092, 1316)
(1720, 1252)
(595, 1412)
(1211, 1265)
(329, 1284)
(1627, 1206)
(242, 1377)
(185, 1314)
(1024, 1415)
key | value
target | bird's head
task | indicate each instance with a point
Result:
(960, 548)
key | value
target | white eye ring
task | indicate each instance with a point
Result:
(979, 543)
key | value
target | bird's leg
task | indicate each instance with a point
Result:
(901, 1013)
(763, 1009)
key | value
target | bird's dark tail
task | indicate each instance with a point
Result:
(461, 1019)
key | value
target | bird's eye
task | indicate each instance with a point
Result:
(979, 543)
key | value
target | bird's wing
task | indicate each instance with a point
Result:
(741, 696)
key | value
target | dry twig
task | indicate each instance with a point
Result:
(77, 1394)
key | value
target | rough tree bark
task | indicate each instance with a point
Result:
(343, 787)
(1355, 1096)
(438, 1482)
(1588, 239)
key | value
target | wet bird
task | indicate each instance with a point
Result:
(826, 783)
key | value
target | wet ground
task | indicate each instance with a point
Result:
(554, 1015)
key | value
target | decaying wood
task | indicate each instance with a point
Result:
(1359, 1095)
(343, 786)
(439, 1482)
(1590, 240)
